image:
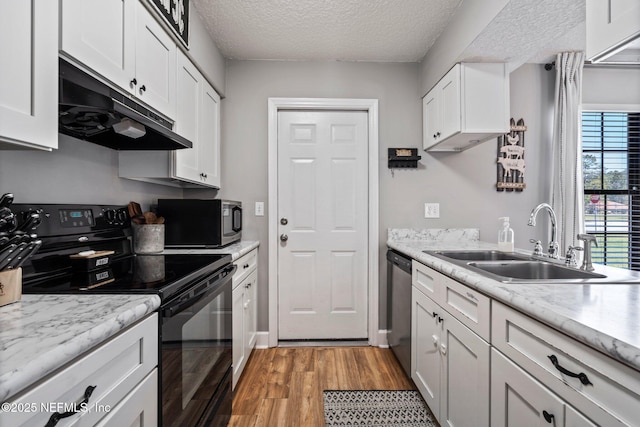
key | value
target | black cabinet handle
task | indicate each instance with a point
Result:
(548, 417)
(581, 376)
(143, 88)
(134, 81)
(57, 416)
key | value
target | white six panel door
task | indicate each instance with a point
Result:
(323, 212)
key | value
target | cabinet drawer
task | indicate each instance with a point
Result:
(114, 368)
(425, 279)
(469, 306)
(611, 389)
(246, 264)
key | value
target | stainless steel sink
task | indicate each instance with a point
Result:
(519, 268)
(535, 270)
(477, 255)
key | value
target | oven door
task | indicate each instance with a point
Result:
(195, 354)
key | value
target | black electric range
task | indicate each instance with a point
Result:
(68, 229)
(194, 318)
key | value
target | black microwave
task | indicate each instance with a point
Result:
(200, 223)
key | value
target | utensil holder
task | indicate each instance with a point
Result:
(10, 286)
(148, 238)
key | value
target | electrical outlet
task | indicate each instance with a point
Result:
(259, 208)
(432, 210)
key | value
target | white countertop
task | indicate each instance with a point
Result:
(603, 316)
(41, 333)
(236, 250)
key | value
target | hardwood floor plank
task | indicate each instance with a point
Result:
(247, 398)
(283, 386)
(273, 413)
(280, 373)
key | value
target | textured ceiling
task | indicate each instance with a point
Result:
(531, 31)
(350, 30)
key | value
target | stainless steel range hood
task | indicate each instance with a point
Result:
(92, 111)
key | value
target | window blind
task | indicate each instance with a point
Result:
(611, 167)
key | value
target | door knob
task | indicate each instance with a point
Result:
(284, 237)
(284, 221)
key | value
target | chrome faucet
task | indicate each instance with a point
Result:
(587, 239)
(553, 244)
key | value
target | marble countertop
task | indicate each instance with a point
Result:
(603, 316)
(41, 333)
(236, 250)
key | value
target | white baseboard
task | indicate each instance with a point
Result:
(262, 339)
(382, 338)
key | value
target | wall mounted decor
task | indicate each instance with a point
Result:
(403, 158)
(511, 164)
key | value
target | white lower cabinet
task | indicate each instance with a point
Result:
(518, 400)
(449, 365)
(245, 319)
(121, 378)
(603, 390)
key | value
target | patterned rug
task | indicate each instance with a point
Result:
(397, 408)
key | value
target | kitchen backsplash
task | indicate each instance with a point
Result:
(448, 235)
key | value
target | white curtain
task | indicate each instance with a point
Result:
(567, 193)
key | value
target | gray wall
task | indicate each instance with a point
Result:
(463, 183)
(608, 85)
(78, 172)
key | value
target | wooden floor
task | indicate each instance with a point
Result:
(283, 386)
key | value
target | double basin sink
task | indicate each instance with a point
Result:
(517, 268)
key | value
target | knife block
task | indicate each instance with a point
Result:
(10, 286)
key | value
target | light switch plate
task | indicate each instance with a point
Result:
(259, 208)
(432, 210)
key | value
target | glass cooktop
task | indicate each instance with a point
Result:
(158, 274)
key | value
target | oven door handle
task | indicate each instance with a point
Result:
(183, 303)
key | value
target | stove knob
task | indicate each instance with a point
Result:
(110, 216)
(122, 216)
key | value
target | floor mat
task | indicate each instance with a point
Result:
(397, 408)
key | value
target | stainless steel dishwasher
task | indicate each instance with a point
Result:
(399, 307)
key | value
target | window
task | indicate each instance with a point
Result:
(611, 167)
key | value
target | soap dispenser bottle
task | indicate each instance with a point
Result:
(505, 236)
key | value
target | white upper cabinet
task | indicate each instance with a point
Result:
(105, 45)
(126, 46)
(198, 120)
(612, 25)
(155, 64)
(470, 104)
(29, 75)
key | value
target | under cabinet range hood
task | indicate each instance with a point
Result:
(92, 111)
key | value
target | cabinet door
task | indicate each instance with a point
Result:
(465, 382)
(425, 353)
(518, 400)
(449, 103)
(430, 119)
(29, 74)
(138, 408)
(238, 355)
(610, 23)
(576, 419)
(250, 318)
(101, 35)
(190, 83)
(209, 137)
(155, 64)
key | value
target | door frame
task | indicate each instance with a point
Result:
(371, 107)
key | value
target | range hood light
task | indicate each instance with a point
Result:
(128, 127)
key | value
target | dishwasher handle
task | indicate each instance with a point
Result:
(399, 261)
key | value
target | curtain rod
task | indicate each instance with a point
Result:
(550, 66)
